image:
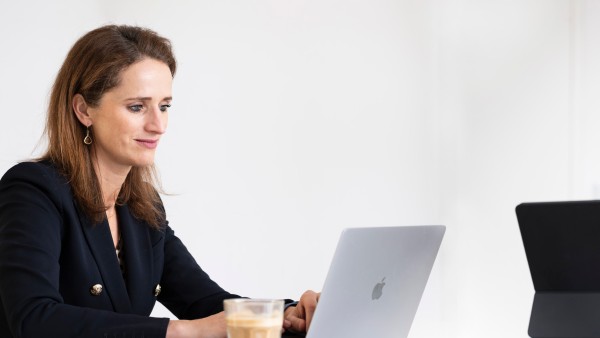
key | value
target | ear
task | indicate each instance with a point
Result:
(80, 107)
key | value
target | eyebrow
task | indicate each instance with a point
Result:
(140, 98)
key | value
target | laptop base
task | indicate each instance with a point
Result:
(565, 314)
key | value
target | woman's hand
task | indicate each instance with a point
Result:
(297, 318)
(210, 327)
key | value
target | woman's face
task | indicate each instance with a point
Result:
(130, 119)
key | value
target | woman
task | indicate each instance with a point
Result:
(85, 248)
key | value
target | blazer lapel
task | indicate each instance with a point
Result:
(137, 249)
(101, 245)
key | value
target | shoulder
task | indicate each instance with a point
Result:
(38, 176)
(43, 170)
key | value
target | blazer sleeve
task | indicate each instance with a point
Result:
(187, 291)
(31, 223)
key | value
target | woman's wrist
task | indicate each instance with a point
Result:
(177, 328)
(208, 327)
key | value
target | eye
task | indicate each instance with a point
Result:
(136, 108)
(165, 107)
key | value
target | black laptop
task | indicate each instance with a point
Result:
(562, 244)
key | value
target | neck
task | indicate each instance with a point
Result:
(111, 180)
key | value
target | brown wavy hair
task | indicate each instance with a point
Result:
(92, 67)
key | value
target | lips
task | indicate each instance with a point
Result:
(146, 143)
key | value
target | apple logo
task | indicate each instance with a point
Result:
(378, 290)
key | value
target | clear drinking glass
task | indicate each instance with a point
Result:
(254, 318)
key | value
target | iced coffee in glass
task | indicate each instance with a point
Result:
(254, 318)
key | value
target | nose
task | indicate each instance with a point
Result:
(156, 121)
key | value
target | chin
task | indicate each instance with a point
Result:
(143, 163)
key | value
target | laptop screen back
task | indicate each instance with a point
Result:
(375, 282)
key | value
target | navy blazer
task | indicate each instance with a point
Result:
(51, 255)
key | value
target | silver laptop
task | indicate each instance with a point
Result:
(375, 282)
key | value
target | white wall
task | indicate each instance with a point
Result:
(294, 119)
(505, 76)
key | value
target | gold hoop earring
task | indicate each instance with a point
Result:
(87, 139)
